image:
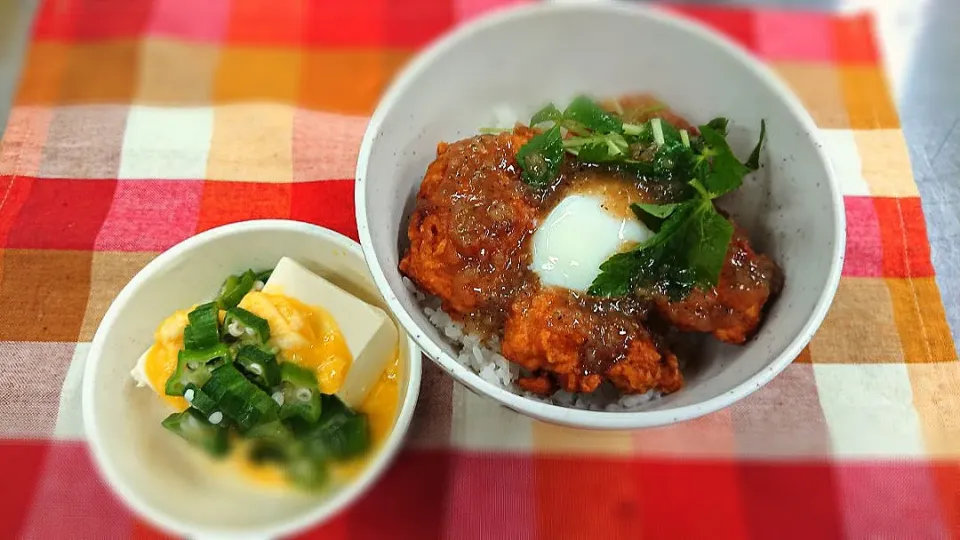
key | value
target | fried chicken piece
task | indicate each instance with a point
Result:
(541, 385)
(578, 345)
(471, 217)
(732, 310)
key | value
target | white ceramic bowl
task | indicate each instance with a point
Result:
(154, 472)
(528, 56)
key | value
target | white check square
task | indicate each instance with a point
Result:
(869, 410)
(166, 143)
(841, 148)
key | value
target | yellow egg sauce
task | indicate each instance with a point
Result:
(161, 359)
(306, 335)
(263, 474)
(380, 406)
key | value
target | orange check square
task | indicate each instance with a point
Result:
(867, 96)
(348, 81)
(257, 74)
(110, 271)
(42, 76)
(860, 327)
(102, 72)
(921, 321)
(44, 294)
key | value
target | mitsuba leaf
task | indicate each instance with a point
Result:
(670, 132)
(549, 113)
(540, 159)
(587, 113)
(652, 215)
(597, 153)
(673, 160)
(753, 162)
(718, 169)
(688, 251)
(707, 237)
(617, 275)
(640, 169)
(719, 124)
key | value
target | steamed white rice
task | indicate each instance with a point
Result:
(485, 360)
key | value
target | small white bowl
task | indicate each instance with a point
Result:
(525, 57)
(154, 472)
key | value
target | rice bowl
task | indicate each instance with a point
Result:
(450, 90)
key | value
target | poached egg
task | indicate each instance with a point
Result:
(577, 236)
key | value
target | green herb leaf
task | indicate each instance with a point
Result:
(673, 159)
(670, 132)
(617, 275)
(688, 251)
(597, 153)
(640, 169)
(719, 124)
(549, 113)
(653, 215)
(753, 162)
(194, 427)
(708, 236)
(541, 157)
(587, 113)
(661, 211)
(235, 288)
(718, 169)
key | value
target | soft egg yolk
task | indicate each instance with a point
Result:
(305, 335)
(577, 236)
(161, 359)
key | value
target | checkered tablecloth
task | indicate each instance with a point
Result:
(139, 123)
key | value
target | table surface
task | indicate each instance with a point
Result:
(920, 41)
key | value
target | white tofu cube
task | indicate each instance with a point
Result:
(370, 334)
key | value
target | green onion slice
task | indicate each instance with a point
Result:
(259, 366)
(246, 326)
(238, 398)
(235, 288)
(203, 331)
(300, 394)
(194, 427)
(195, 367)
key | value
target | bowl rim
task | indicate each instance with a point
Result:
(579, 417)
(336, 502)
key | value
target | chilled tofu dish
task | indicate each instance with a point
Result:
(287, 378)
